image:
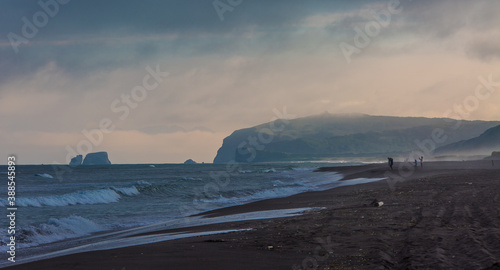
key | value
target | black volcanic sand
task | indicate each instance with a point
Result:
(444, 216)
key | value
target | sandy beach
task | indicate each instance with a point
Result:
(444, 215)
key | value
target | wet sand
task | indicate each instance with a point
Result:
(445, 215)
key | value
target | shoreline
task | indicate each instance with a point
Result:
(328, 230)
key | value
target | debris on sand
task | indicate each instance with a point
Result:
(376, 203)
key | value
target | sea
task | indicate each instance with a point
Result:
(59, 207)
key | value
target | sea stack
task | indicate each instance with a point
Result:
(99, 158)
(76, 161)
(190, 161)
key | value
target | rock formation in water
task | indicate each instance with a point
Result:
(190, 161)
(99, 158)
(76, 161)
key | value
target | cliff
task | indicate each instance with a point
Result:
(328, 136)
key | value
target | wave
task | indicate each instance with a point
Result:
(277, 183)
(44, 175)
(99, 196)
(305, 169)
(192, 178)
(281, 189)
(142, 183)
(278, 189)
(54, 230)
(127, 191)
(254, 195)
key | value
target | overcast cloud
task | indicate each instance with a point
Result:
(232, 73)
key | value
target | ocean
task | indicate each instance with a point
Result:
(62, 207)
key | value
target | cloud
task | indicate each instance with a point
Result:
(231, 74)
(172, 129)
(486, 49)
(87, 35)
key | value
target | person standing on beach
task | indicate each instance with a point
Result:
(416, 163)
(391, 162)
(421, 161)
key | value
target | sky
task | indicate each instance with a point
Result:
(165, 81)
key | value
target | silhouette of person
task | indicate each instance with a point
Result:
(391, 162)
(421, 161)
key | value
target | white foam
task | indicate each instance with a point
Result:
(304, 169)
(124, 242)
(128, 191)
(192, 179)
(143, 183)
(193, 221)
(130, 237)
(55, 230)
(99, 196)
(44, 175)
(278, 192)
(307, 181)
(359, 181)
(278, 183)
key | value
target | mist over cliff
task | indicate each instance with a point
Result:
(484, 144)
(346, 135)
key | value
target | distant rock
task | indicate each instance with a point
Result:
(76, 161)
(190, 161)
(99, 158)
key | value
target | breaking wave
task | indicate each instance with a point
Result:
(54, 230)
(99, 196)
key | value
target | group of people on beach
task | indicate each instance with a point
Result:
(421, 159)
